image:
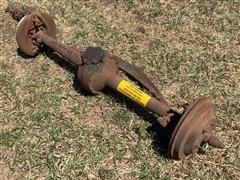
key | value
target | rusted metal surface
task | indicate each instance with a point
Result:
(27, 28)
(140, 77)
(98, 69)
(194, 129)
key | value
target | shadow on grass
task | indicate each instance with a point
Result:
(159, 135)
(68, 66)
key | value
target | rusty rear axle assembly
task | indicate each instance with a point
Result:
(97, 69)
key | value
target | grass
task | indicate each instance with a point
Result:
(53, 129)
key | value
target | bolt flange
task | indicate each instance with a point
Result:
(28, 27)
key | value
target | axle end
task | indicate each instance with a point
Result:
(215, 142)
(194, 129)
(28, 27)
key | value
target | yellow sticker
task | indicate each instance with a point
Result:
(133, 93)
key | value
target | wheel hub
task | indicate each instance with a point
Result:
(194, 129)
(28, 27)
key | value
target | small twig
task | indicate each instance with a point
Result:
(8, 98)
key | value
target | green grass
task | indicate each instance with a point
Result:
(53, 129)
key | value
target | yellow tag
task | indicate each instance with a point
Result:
(133, 93)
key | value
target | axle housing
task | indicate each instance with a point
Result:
(97, 69)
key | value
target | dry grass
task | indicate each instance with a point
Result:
(51, 128)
